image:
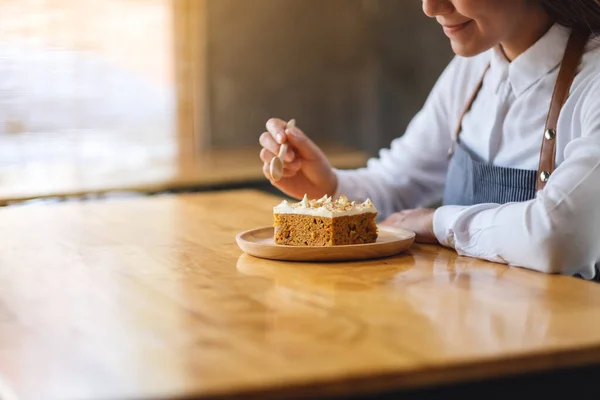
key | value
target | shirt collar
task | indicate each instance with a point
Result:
(498, 68)
(538, 60)
(533, 64)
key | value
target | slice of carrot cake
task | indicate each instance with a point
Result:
(325, 222)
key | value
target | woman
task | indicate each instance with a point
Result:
(519, 109)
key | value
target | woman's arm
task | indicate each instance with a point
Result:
(413, 171)
(558, 231)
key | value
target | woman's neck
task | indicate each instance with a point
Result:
(538, 24)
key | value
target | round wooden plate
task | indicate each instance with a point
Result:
(259, 243)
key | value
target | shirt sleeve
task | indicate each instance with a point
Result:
(558, 231)
(412, 171)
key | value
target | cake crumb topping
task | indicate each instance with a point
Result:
(327, 203)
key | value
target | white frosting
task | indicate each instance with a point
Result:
(325, 207)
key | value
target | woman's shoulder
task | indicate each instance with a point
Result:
(584, 99)
(586, 85)
(590, 63)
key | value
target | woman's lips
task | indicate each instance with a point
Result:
(454, 29)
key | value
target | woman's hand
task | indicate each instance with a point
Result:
(419, 220)
(306, 168)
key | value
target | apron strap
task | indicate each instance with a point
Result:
(568, 69)
(566, 75)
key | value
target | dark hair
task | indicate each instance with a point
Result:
(583, 15)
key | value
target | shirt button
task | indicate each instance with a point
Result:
(450, 240)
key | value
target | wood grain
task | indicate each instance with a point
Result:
(152, 298)
(259, 242)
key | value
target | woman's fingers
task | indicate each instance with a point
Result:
(277, 127)
(271, 142)
(395, 218)
(305, 147)
(267, 172)
(266, 155)
(268, 143)
(292, 168)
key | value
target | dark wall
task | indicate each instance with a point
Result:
(350, 71)
(413, 53)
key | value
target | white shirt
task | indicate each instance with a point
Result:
(558, 231)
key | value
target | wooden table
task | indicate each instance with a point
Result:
(152, 298)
